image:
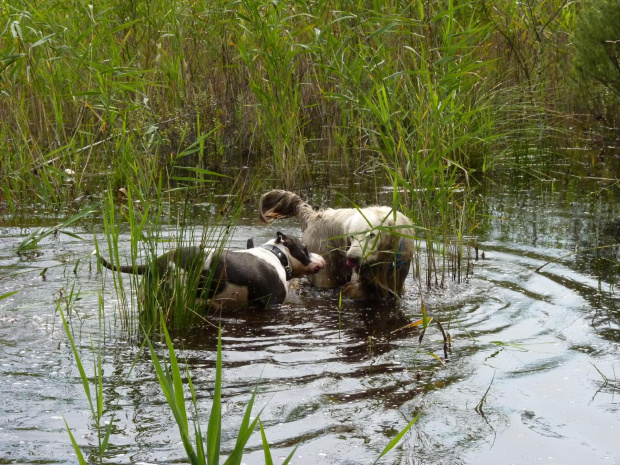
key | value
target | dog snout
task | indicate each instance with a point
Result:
(353, 261)
(318, 263)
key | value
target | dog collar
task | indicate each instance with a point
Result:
(397, 260)
(282, 257)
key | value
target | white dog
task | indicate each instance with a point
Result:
(376, 242)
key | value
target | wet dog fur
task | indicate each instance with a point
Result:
(375, 243)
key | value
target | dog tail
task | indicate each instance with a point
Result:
(138, 269)
(284, 204)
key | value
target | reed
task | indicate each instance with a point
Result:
(154, 226)
(596, 59)
(86, 88)
(199, 448)
(426, 151)
(207, 450)
(94, 396)
(268, 45)
(435, 93)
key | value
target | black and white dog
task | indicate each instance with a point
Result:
(226, 279)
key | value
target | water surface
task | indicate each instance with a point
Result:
(340, 382)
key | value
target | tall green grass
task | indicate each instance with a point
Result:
(154, 97)
(271, 45)
(428, 154)
(82, 84)
(153, 226)
(153, 93)
(94, 396)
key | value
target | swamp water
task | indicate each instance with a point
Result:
(339, 383)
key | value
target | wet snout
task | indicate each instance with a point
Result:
(354, 254)
(317, 263)
(353, 261)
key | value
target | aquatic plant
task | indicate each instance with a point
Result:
(596, 43)
(38, 234)
(207, 450)
(95, 399)
(427, 94)
(99, 90)
(597, 51)
(268, 46)
(154, 225)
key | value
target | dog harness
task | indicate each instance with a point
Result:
(282, 257)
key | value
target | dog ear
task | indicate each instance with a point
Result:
(280, 237)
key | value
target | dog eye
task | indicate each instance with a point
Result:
(371, 235)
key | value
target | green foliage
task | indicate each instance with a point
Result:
(95, 399)
(155, 95)
(148, 220)
(159, 86)
(268, 45)
(396, 439)
(529, 42)
(597, 43)
(170, 380)
(199, 449)
(32, 240)
(597, 55)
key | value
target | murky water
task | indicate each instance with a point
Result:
(339, 383)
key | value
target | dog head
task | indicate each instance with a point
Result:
(369, 243)
(300, 260)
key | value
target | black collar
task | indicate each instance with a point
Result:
(282, 257)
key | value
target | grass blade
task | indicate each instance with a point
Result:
(106, 438)
(214, 430)
(290, 456)
(78, 362)
(8, 294)
(39, 234)
(169, 392)
(200, 447)
(397, 438)
(176, 378)
(245, 431)
(78, 452)
(266, 449)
